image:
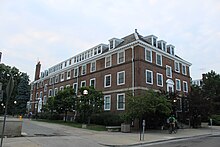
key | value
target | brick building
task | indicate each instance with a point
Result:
(133, 63)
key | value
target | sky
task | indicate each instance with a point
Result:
(51, 31)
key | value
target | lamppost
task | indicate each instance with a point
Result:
(85, 93)
(15, 102)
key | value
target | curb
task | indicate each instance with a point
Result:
(160, 141)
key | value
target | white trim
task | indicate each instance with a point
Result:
(123, 101)
(56, 89)
(68, 85)
(84, 65)
(82, 83)
(50, 93)
(176, 66)
(45, 87)
(94, 82)
(123, 57)
(105, 80)
(61, 88)
(123, 78)
(184, 82)
(62, 79)
(160, 58)
(151, 76)
(147, 49)
(110, 57)
(161, 79)
(179, 85)
(167, 66)
(183, 65)
(68, 77)
(77, 72)
(76, 90)
(109, 102)
(91, 66)
(57, 78)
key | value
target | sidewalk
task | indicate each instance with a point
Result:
(76, 136)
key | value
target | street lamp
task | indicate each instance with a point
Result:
(15, 102)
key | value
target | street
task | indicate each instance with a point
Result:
(209, 141)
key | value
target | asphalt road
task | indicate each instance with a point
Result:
(209, 141)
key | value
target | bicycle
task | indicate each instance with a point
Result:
(173, 128)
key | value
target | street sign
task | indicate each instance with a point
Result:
(1, 95)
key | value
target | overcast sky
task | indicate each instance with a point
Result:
(53, 30)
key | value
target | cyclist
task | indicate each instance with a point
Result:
(172, 124)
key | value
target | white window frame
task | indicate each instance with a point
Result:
(50, 93)
(82, 83)
(90, 82)
(68, 85)
(55, 91)
(41, 95)
(75, 90)
(177, 68)
(159, 74)
(61, 88)
(184, 67)
(62, 79)
(45, 100)
(45, 87)
(167, 66)
(118, 73)
(185, 90)
(151, 77)
(91, 67)
(178, 89)
(160, 59)
(110, 61)
(68, 77)
(75, 72)
(107, 109)
(56, 78)
(123, 101)
(83, 69)
(146, 49)
(123, 57)
(109, 75)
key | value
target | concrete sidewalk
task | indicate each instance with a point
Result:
(83, 137)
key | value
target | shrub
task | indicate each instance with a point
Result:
(216, 120)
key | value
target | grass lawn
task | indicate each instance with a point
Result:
(74, 124)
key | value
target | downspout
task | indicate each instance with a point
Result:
(132, 48)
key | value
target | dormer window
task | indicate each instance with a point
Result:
(170, 49)
(114, 42)
(162, 45)
(111, 46)
(152, 40)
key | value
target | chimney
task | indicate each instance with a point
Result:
(37, 71)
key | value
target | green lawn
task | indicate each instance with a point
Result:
(74, 124)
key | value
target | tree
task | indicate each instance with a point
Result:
(89, 104)
(64, 101)
(152, 105)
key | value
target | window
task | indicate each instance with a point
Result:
(107, 81)
(148, 55)
(159, 59)
(92, 82)
(68, 75)
(45, 99)
(149, 77)
(177, 66)
(61, 88)
(168, 71)
(36, 95)
(57, 79)
(121, 78)
(62, 77)
(159, 80)
(45, 88)
(108, 61)
(107, 102)
(121, 101)
(70, 62)
(83, 72)
(178, 85)
(75, 87)
(184, 69)
(55, 91)
(93, 66)
(51, 81)
(50, 93)
(83, 83)
(75, 72)
(121, 57)
(185, 86)
(41, 95)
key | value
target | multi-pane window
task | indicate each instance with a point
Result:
(121, 78)
(93, 66)
(62, 77)
(149, 77)
(121, 57)
(159, 80)
(83, 71)
(45, 88)
(148, 55)
(41, 95)
(50, 93)
(83, 83)
(92, 82)
(177, 66)
(121, 101)
(107, 81)
(61, 88)
(107, 102)
(184, 69)
(75, 74)
(57, 79)
(108, 61)
(178, 85)
(169, 71)
(51, 81)
(45, 99)
(159, 59)
(75, 87)
(185, 86)
(68, 74)
(55, 91)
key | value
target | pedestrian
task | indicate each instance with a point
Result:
(172, 124)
